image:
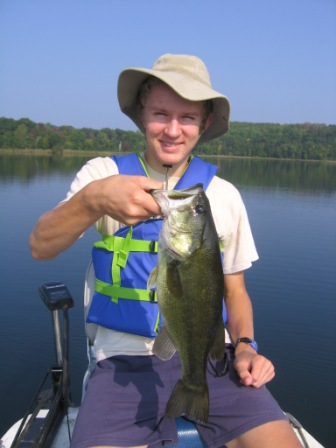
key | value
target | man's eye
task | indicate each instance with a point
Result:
(188, 117)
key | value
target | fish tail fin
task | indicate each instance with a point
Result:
(189, 400)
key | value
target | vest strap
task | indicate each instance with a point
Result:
(121, 247)
(118, 292)
(109, 243)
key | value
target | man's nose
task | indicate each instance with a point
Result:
(173, 128)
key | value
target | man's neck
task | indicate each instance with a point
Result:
(174, 170)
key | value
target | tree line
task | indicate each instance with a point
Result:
(307, 141)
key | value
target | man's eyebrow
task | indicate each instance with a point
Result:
(184, 112)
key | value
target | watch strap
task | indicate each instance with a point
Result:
(248, 341)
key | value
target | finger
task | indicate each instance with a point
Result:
(245, 378)
(243, 371)
(262, 372)
(148, 184)
(141, 199)
(149, 204)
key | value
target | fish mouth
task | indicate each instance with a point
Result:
(173, 199)
(176, 235)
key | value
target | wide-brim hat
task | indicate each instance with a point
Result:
(188, 77)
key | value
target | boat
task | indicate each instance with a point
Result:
(50, 418)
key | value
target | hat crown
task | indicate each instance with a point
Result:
(188, 65)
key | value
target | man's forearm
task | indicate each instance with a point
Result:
(59, 228)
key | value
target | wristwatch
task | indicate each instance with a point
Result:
(248, 341)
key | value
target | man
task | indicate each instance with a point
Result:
(176, 107)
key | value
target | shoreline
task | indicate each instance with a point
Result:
(83, 153)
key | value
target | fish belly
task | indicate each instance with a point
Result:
(190, 295)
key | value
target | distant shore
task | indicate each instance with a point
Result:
(84, 153)
(50, 152)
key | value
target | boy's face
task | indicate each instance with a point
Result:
(172, 128)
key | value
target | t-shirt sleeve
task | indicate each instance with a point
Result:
(94, 169)
(232, 226)
(240, 251)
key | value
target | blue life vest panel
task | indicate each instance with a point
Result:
(124, 261)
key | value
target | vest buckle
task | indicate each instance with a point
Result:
(153, 246)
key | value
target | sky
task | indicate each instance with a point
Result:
(60, 59)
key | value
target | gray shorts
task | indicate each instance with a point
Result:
(126, 397)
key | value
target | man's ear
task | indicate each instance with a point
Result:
(208, 122)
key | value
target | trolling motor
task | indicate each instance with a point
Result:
(50, 403)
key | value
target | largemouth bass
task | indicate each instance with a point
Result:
(190, 287)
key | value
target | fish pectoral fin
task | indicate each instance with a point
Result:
(218, 347)
(164, 347)
(151, 283)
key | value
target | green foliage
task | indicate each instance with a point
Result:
(288, 141)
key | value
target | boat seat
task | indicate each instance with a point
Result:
(187, 432)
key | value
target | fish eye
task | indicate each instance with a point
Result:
(200, 209)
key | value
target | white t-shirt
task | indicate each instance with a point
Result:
(232, 226)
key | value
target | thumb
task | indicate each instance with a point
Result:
(245, 377)
(243, 370)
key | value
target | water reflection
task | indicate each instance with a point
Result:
(288, 174)
(27, 167)
(292, 211)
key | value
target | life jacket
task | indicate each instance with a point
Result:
(123, 261)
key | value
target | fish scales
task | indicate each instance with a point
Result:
(189, 283)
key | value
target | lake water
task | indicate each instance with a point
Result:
(292, 210)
